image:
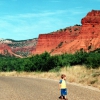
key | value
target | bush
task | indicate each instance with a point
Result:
(45, 62)
(93, 60)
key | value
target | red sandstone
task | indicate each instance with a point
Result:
(72, 39)
(68, 40)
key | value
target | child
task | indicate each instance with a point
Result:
(63, 88)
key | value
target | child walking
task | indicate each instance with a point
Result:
(63, 88)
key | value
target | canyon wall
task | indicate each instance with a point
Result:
(72, 39)
(50, 42)
(68, 40)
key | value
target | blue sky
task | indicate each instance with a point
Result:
(26, 19)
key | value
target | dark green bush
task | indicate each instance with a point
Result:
(45, 62)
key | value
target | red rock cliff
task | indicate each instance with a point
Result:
(6, 50)
(72, 39)
(50, 42)
(90, 30)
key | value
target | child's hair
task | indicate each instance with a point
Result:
(63, 75)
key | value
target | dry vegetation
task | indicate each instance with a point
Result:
(75, 74)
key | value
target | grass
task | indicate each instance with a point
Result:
(76, 74)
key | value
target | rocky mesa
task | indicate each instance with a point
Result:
(74, 38)
(68, 40)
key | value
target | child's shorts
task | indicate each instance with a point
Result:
(63, 92)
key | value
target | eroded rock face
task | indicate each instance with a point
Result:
(23, 48)
(6, 50)
(68, 40)
(20, 49)
(72, 39)
(90, 30)
(55, 40)
(92, 17)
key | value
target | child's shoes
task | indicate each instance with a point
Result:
(60, 97)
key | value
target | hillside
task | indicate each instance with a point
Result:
(74, 38)
(20, 48)
(68, 40)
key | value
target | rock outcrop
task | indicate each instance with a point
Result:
(68, 40)
(6, 50)
(50, 42)
(23, 48)
(90, 30)
(71, 39)
(20, 48)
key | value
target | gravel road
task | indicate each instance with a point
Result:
(19, 88)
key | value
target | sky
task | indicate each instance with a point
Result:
(26, 19)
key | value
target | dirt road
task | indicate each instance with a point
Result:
(18, 88)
